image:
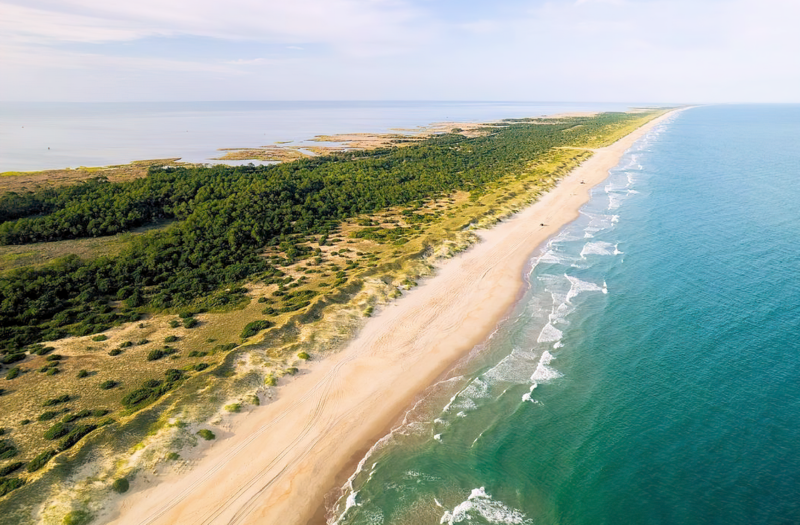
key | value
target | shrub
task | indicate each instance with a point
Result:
(25, 422)
(234, 407)
(304, 356)
(13, 373)
(126, 344)
(53, 371)
(75, 435)
(12, 358)
(224, 348)
(142, 342)
(120, 486)
(171, 338)
(195, 353)
(173, 456)
(99, 338)
(7, 449)
(108, 385)
(54, 357)
(206, 434)
(254, 327)
(13, 467)
(100, 412)
(191, 322)
(292, 371)
(47, 416)
(173, 375)
(69, 418)
(262, 299)
(158, 353)
(2, 432)
(199, 367)
(40, 460)
(56, 431)
(56, 400)
(174, 323)
(7, 485)
(270, 380)
(115, 352)
(77, 517)
(83, 373)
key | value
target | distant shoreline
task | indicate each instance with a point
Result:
(307, 440)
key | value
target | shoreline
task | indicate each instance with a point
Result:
(291, 452)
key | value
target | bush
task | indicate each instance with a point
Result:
(12, 358)
(292, 371)
(25, 422)
(69, 418)
(174, 323)
(142, 342)
(57, 400)
(13, 373)
(120, 486)
(195, 353)
(270, 380)
(159, 353)
(304, 356)
(199, 367)
(47, 416)
(173, 456)
(74, 436)
(234, 407)
(54, 357)
(254, 327)
(53, 371)
(108, 385)
(7, 485)
(115, 352)
(56, 431)
(100, 412)
(13, 467)
(224, 348)
(40, 460)
(206, 434)
(83, 373)
(126, 344)
(99, 338)
(171, 338)
(7, 449)
(191, 322)
(77, 517)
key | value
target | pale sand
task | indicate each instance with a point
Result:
(284, 457)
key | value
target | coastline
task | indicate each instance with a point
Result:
(291, 453)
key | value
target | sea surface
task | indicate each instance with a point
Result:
(36, 136)
(651, 372)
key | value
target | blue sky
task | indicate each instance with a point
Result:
(558, 50)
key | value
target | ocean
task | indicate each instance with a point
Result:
(38, 136)
(650, 374)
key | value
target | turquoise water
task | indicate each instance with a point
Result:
(36, 136)
(651, 372)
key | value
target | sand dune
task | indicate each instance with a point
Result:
(283, 458)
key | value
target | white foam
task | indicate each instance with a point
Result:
(544, 372)
(579, 286)
(600, 248)
(437, 437)
(480, 504)
(549, 334)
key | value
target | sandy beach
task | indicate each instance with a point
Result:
(284, 457)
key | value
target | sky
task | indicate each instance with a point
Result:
(665, 51)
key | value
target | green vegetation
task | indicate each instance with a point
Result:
(57, 400)
(152, 390)
(206, 434)
(83, 373)
(254, 327)
(13, 467)
(7, 485)
(304, 356)
(234, 407)
(173, 456)
(41, 460)
(120, 486)
(107, 385)
(77, 517)
(7, 449)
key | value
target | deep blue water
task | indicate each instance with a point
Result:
(651, 372)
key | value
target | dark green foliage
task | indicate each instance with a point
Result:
(41, 460)
(13, 373)
(143, 342)
(206, 434)
(25, 422)
(108, 385)
(83, 373)
(254, 327)
(100, 337)
(120, 486)
(57, 400)
(152, 389)
(75, 435)
(155, 355)
(100, 412)
(53, 371)
(69, 418)
(115, 352)
(2, 432)
(173, 456)
(224, 348)
(191, 322)
(126, 344)
(199, 367)
(12, 358)
(195, 353)
(13, 467)
(56, 431)
(7, 449)
(174, 323)
(77, 517)
(54, 357)
(7, 485)
(47, 416)
(171, 338)
(292, 371)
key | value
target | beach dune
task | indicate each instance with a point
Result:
(284, 457)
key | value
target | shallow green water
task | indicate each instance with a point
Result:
(650, 374)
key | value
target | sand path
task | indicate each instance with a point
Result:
(284, 457)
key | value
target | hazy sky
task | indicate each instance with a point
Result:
(559, 50)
